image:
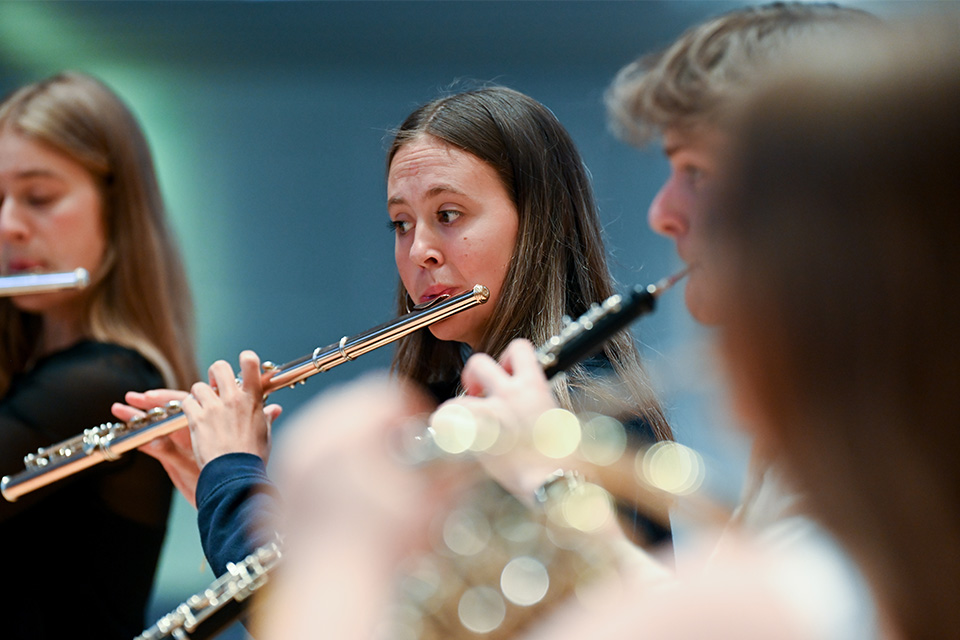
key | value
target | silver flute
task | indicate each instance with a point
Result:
(207, 613)
(43, 282)
(108, 441)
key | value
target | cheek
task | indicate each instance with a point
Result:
(83, 231)
(402, 260)
(500, 261)
(487, 264)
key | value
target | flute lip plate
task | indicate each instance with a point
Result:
(83, 278)
(431, 302)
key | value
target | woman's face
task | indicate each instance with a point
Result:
(51, 218)
(456, 226)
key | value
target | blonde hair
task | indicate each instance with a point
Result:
(139, 298)
(692, 81)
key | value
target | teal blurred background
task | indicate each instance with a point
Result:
(268, 123)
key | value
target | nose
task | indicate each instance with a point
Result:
(425, 250)
(13, 226)
(668, 214)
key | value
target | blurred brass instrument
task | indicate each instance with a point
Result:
(503, 546)
(110, 440)
(28, 283)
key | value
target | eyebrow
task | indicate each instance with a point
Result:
(670, 150)
(431, 192)
(36, 173)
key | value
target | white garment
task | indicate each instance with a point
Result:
(813, 573)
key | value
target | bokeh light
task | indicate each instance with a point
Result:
(604, 440)
(466, 532)
(672, 467)
(524, 581)
(454, 428)
(488, 433)
(556, 433)
(481, 609)
(583, 506)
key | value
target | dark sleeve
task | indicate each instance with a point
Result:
(63, 395)
(235, 503)
(643, 530)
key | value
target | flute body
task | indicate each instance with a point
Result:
(108, 441)
(43, 282)
(208, 612)
(584, 337)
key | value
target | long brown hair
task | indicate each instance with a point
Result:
(559, 265)
(139, 298)
(838, 235)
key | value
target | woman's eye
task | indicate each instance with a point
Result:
(40, 199)
(694, 175)
(448, 215)
(399, 227)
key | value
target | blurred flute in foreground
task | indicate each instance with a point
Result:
(43, 282)
(111, 439)
(208, 612)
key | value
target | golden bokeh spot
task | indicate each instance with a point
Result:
(524, 581)
(517, 527)
(672, 467)
(585, 507)
(604, 440)
(454, 428)
(488, 433)
(556, 433)
(466, 532)
(481, 609)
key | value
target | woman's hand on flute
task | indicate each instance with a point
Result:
(235, 423)
(226, 417)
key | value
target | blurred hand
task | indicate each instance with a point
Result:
(341, 461)
(354, 510)
(513, 393)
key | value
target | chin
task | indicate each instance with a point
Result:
(452, 330)
(699, 304)
(31, 303)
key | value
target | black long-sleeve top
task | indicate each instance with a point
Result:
(79, 555)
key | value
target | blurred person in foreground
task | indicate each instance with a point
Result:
(686, 95)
